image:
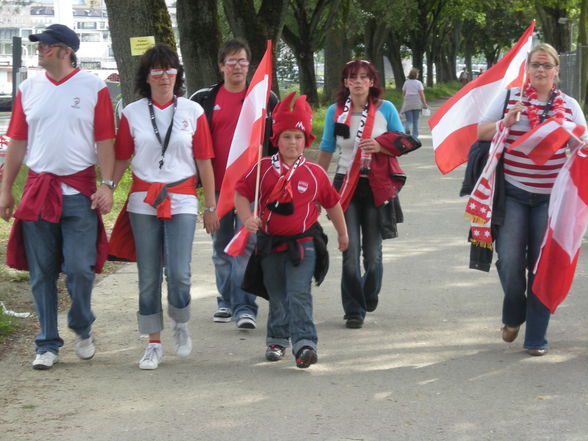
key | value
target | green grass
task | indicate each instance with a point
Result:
(8, 325)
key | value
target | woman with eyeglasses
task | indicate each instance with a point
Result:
(166, 139)
(363, 178)
(526, 189)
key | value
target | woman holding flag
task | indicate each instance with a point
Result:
(354, 126)
(527, 187)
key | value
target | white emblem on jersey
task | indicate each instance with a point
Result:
(216, 107)
(302, 186)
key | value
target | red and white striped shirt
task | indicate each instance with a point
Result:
(519, 170)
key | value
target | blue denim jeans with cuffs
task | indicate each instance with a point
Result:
(164, 246)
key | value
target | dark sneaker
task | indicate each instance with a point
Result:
(305, 357)
(354, 323)
(275, 352)
(222, 315)
(371, 304)
(246, 321)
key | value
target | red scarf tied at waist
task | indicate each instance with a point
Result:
(122, 244)
(43, 199)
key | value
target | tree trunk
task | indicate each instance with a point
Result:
(583, 43)
(337, 49)
(200, 37)
(257, 27)
(376, 33)
(135, 18)
(307, 77)
(555, 33)
(395, 58)
(430, 65)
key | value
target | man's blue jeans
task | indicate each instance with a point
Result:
(229, 270)
(290, 305)
(73, 242)
(361, 218)
(163, 243)
(412, 119)
(518, 245)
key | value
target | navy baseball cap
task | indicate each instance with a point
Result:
(58, 33)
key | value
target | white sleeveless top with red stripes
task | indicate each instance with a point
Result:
(519, 170)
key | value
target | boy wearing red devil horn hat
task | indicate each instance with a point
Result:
(291, 246)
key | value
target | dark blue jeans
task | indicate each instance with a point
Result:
(230, 270)
(290, 306)
(518, 245)
(361, 218)
(74, 240)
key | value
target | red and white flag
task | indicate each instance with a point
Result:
(545, 139)
(454, 125)
(568, 219)
(248, 133)
(238, 244)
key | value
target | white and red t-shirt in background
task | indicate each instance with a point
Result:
(227, 107)
(190, 139)
(310, 184)
(61, 121)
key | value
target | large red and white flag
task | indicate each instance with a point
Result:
(249, 132)
(454, 125)
(568, 219)
(545, 139)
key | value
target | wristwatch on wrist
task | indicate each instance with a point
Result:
(108, 182)
(211, 209)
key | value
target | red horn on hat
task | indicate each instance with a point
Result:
(288, 117)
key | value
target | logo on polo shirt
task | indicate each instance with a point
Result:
(76, 102)
(302, 186)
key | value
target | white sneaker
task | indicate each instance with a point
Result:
(85, 347)
(182, 340)
(45, 361)
(152, 357)
(246, 321)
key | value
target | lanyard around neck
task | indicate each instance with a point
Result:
(165, 142)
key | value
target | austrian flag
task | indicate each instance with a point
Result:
(544, 140)
(568, 219)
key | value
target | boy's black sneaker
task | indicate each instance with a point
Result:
(275, 352)
(305, 357)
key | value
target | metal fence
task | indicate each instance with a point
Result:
(570, 74)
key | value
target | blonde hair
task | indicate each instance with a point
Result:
(548, 49)
(413, 74)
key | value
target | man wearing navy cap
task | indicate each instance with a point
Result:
(61, 126)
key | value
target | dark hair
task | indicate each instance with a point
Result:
(73, 59)
(231, 46)
(160, 55)
(352, 68)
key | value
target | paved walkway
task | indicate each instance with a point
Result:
(428, 365)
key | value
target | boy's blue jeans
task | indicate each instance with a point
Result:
(290, 305)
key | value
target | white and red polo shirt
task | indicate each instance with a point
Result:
(61, 121)
(190, 140)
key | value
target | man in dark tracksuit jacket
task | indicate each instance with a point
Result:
(222, 104)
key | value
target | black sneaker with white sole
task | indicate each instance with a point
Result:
(222, 315)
